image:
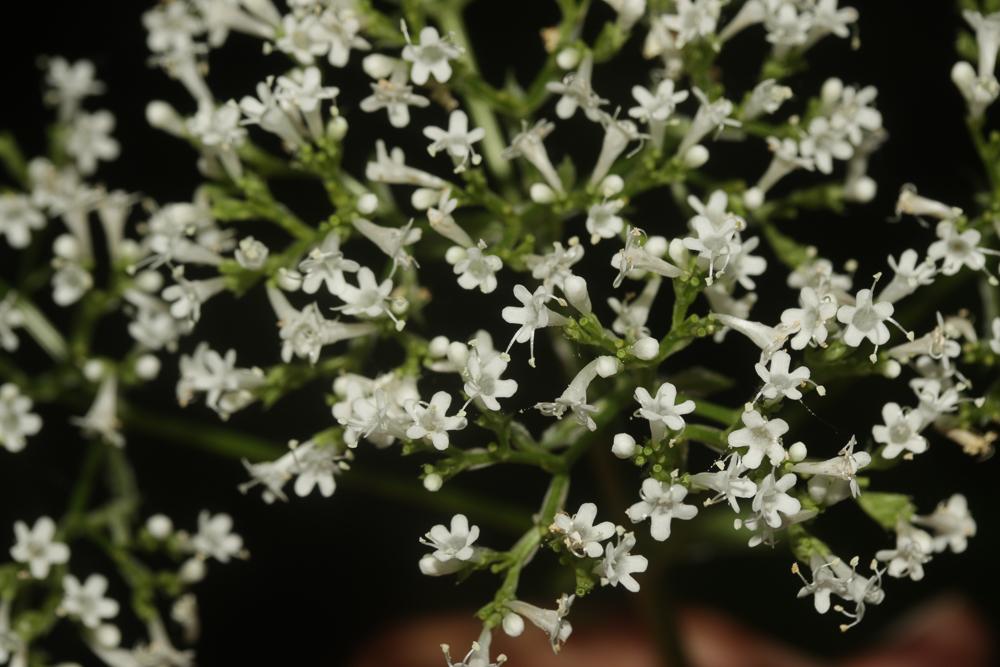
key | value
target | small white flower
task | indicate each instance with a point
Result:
(603, 221)
(810, 318)
(779, 380)
(17, 421)
(580, 535)
(339, 27)
(661, 502)
(454, 543)
(576, 92)
(554, 267)
(913, 549)
(824, 143)
(301, 39)
(391, 240)
(369, 299)
(656, 107)
(831, 576)
(38, 547)
(956, 249)
(431, 420)
(529, 144)
(693, 19)
(430, 56)
(908, 275)
(482, 379)
(89, 140)
(620, 564)
(661, 410)
(395, 96)
(215, 537)
(531, 316)
(773, 499)
(474, 268)
(86, 601)
(711, 116)
(901, 431)
(457, 140)
(478, 655)
(574, 398)
(316, 467)
(995, 340)
(844, 466)
(326, 264)
(227, 388)
(866, 319)
(101, 421)
(18, 217)
(761, 437)
(952, 524)
(728, 483)
(550, 621)
(69, 84)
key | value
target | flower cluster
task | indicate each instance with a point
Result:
(355, 295)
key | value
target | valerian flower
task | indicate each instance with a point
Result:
(431, 420)
(38, 548)
(661, 411)
(619, 564)
(913, 550)
(215, 538)
(455, 542)
(661, 502)
(761, 437)
(952, 524)
(87, 602)
(900, 432)
(579, 533)
(17, 421)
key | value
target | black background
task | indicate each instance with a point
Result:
(328, 575)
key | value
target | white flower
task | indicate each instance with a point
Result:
(823, 143)
(656, 107)
(221, 132)
(38, 547)
(901, 431)
(431, 420)
(844, 466)
(474, 268)
(89, 140)
(457, 140)
(661, 410)
(810, 318)
(339, 27)
(580, 535)
(69, 84)
(711, 116)
(995, 340)
(301, 94)
(603, 221)
(529, 144)
(478, 655)
(370, 298)
(952, 524)
(575, 92)
(482, 379)
(395, 96)
(187, 296)
(761, 437)
(693, 19)
(555, 266)
(636, 257)
(574, 398)
(391, 240)
(773, 499)
(850, 110)
(17, 421)
(531, 316)
(251, 254)
(913, 549)
(430, 56)
(316, 466)
(301, 39)
(831, 576)
(18, 217)
(935, 399)
(661, 502)
(987, 39)
(11, 318)
(390, 167)
(454, 543)
(101, 421)
(227, 388)
(956, 249)
(620, 564)
(779, 380)
(866, 319)
(86, 601)
(551, 621)
(326, 264)
(728, 482)
(908, 276)
(766, 98)
(215, 537)
(714, 244)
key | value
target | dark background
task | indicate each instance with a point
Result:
(328, 575)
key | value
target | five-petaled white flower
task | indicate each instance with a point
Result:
(773, 500)
(661, 502)
(454, 543)
(728, 482)
(457, 140)
(900, 432)
(531, 315)
(86, 601)
(431, 420)
(38, 547)
(913, 549)
(580, 535)
(18, 218)
(952, 524)
(866, 319)
(661, 410)
(215, 537)
(482, 380)
(430, 56)
(761, 437)
(326, 264)
(779, 380)
(620, 564)
(474, 267)
(17, 421)
(955, 249)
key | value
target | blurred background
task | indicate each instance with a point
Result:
(326, 577)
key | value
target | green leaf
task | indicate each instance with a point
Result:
(887, 509)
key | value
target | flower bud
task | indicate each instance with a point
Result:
(289, 280)
(753, 198)
(438, 347)
(542, 194)
(568, 58)
(695, 157)
(513, 625)
(160, 526)
(646, 348)
(798, 452)
(612, 185)
(433, 482)
(575, 289)
(192, 571)
(367, 203)
(607, 366)
(147, 367)
(623, 446)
